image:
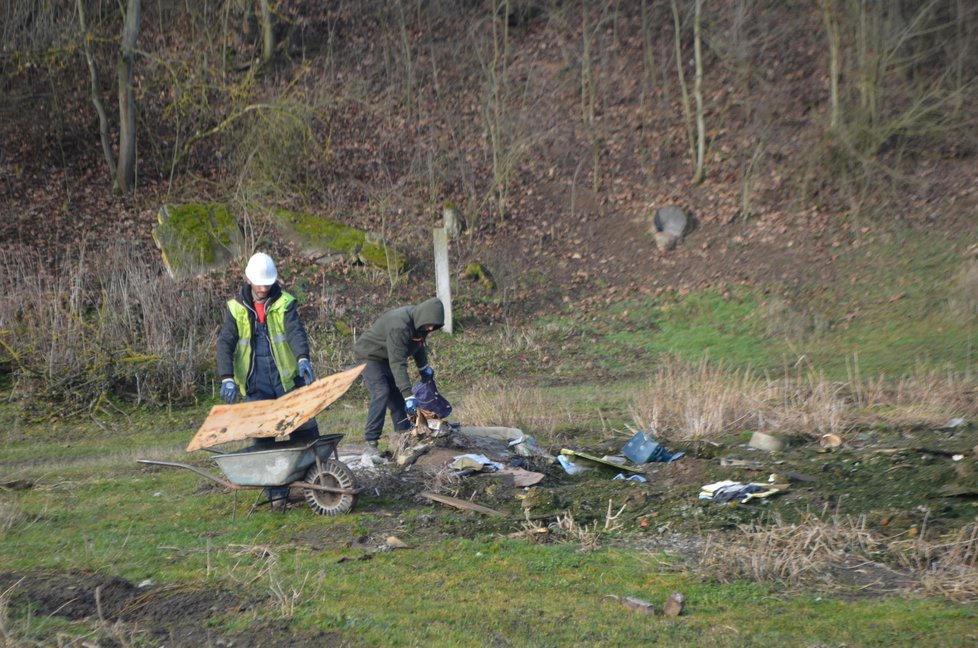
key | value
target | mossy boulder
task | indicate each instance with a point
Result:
(319, 233)
(196, 237)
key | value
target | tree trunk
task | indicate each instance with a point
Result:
(103, 120)
(687, 109)
(698, 96)
(267, 35)
(125, 178)
(831, 16)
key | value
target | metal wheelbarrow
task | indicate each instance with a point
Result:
(329, 486)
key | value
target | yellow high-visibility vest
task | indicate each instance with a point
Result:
(285, 359)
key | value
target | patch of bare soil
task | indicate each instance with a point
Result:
(158, 614)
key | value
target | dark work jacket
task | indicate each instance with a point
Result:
(396, 336)
(227, 339)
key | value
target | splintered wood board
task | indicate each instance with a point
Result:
(271, 418)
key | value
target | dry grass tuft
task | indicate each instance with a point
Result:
(807, 404)
(509, 405)
(287, 597)
(565, 529)
(922, 397)
(789, 554)
(694, 403)
(253, 562)
(6, 631)
(11, 516)
(837, 552)
(698, 402)
(947, 567)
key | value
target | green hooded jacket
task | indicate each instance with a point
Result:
(396, 336)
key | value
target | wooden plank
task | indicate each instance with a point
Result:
(271, 418)
(460, 503)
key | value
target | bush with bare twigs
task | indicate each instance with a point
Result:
(106, 324)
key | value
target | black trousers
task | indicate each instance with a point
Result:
(384, 396)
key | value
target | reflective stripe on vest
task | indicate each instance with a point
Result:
(285, 359)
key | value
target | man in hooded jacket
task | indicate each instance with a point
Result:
(263, 350)
(397, 335)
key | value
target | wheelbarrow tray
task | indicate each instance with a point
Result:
(278, 465)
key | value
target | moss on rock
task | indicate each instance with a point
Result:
(475, 271)
(323, 233)
(194, 237)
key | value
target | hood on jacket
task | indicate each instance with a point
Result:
(429, 313)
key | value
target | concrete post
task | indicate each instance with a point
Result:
(443, 277)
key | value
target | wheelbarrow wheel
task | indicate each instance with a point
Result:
(333, 474)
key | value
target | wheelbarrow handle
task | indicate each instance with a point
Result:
(229, 485)
(202, 473)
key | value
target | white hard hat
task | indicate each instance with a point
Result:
(261, 270)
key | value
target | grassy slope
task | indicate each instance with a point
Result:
(890, 313)
(93, 509)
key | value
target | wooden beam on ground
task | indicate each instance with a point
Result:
(460, 503)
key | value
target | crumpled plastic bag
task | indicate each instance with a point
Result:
(429, 400)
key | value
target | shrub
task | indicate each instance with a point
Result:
(104, 324)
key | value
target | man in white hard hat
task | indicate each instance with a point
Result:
(263, 350)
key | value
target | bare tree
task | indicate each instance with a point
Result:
(267, 33)
(830, 13)
(103, 119)
(123, 170)
(697, 140)
(125, 178)
(698, 95)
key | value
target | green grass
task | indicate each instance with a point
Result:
(456, 585)
(889, 311)
(891, 307)
(703, 325)
(92, 508)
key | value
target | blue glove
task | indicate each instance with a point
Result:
(427, 373)
(229, 391)
(410, 405)
(305, 371)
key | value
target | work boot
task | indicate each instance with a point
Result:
(278, 498)
(371, 449)
(280, 504)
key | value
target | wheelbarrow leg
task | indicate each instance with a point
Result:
(258, 502)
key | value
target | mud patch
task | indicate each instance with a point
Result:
(167, 615)
(70, 595)
(17, 484)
